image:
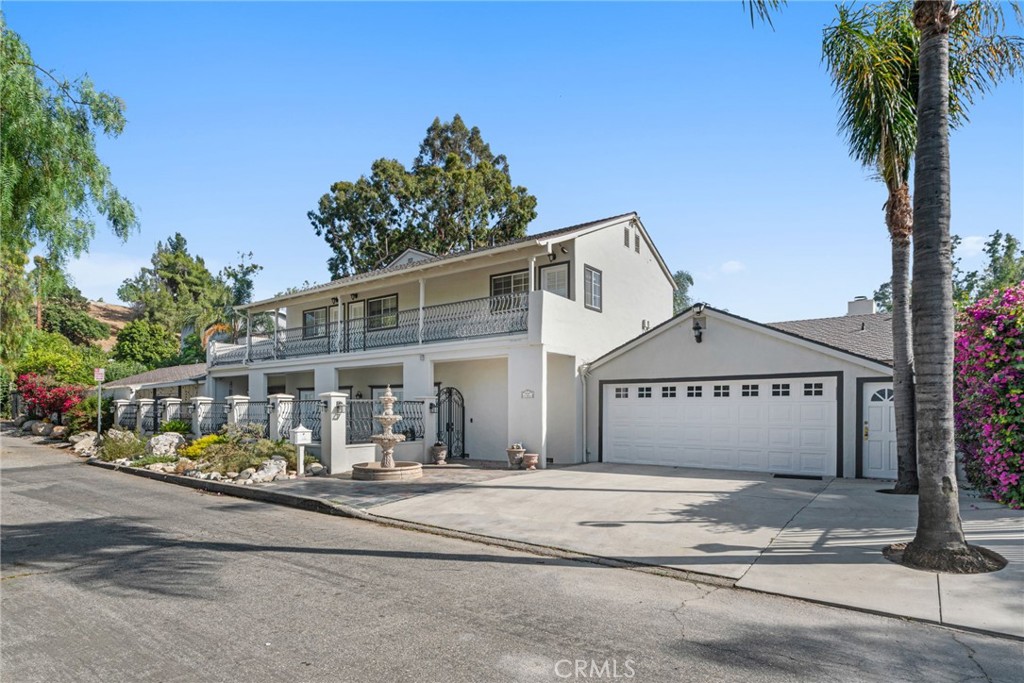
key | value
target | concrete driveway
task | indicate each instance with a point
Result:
(817, 540)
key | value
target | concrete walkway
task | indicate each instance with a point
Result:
(815, 540)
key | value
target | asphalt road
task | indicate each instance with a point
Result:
(109, 577)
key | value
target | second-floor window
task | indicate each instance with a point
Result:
(382, 312)
(510, 283)
(593, 291)
(314, 323)
(555, 279)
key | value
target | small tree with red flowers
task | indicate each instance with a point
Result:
(43, 397)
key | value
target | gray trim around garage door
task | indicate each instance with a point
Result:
(859, 450)
(838, 374)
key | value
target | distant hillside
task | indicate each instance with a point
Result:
(112, 314)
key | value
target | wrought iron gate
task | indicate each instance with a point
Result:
(451, 421)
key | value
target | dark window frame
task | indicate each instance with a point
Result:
(373, 322)
(307, 327)
(509, 274)
(668, 391)
(588, 293)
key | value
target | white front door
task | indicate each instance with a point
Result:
(879, 431)
(784, 425)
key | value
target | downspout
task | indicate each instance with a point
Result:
(584, 370)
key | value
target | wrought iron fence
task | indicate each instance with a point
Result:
(149, 419)
(307, 413)
(129, 417)
(483, 317)
(213, 418)
(360, 425)
(255, 413)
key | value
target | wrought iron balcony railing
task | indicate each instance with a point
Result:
(485, 317)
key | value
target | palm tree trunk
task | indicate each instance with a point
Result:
(899, 219)
(939, 530)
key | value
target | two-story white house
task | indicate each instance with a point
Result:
(503, 330)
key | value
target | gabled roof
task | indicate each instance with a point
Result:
(411, 256)
(842, 338)
(865, 335)
(176, 374)
(539, 239)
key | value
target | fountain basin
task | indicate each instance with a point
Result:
(372, 471)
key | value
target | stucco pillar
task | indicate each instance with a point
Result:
(170, 409)
(332, 430)
(527, 400)
(236, 407)
(201, 407)
(417, 376)
(120, 405)
(257, 385)
(147, 407)
(279, 421)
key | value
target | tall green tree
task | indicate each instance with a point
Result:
(871, 52)
(939, 542)
(239, 283)
(458, 194)
(177, 292)
(1005, 268)
(52, 181)
(146, 343)
(681, 297)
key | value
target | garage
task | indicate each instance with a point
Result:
(710, 389)
(777, 424)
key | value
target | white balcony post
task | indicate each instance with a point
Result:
(333, 424)
(277, 314)
(248, 335)
(533, 261)
(146, 407)
(280, 418)
(423, 298)
(236, 404)
(201, 406)
(171, 409)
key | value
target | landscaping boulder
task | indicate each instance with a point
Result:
(42, 429)
(247, 473)
(316, 470)
(165, 444)
(27, 425)
(20, 420)
(183, 465)
(58, 432)
(84, 443)
(271, 468)
(120, 435)
(81, 436)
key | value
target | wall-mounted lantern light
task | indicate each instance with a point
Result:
(354, 296)
(698, 331)
(271, 407)
(552, 256)
(433, 408)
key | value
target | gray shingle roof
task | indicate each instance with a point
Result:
(176, 374)
(443, 257)
(865, 335)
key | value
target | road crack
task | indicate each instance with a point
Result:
(970, 655)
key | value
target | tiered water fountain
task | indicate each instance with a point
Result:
(387, 469)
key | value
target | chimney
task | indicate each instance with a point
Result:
(861, 305)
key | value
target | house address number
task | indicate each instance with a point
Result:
(527, 393)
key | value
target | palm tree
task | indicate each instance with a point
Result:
(872, 56)
(939, 543)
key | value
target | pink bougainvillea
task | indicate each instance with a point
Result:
(989, 394)
(43, 398)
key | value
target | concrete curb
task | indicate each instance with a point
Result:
(338, 509)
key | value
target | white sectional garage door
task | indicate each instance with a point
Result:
(785, 425)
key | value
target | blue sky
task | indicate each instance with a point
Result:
(722, 136)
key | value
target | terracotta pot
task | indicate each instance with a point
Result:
(515, 456)
(530, 461)
(440, 453)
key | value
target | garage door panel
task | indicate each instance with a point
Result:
(792, 434)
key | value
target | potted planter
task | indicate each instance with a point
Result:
(515, 455)
(439, 451)
(530, 461)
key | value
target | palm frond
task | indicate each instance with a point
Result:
(763, 10)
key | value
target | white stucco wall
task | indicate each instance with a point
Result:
(562, 409)
(730, 348)
(484, 386)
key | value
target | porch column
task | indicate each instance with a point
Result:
(236, 407)
(146, 408)
(527, 400)
(257, 385)
(120, 405)
(248, 335)
(277, 314)
(423, 299)
(201, 407)
(532, 261)
(325, 379)
(333, 426)
(170, 409)
(430, 435)
(280, 418)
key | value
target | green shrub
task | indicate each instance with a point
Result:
(197, 449)
(151, 459)
(82, 417)
(179, 426)
(117, 444)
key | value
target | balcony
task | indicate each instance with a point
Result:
(475, 318)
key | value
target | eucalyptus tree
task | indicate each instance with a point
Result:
(52, 181)
(939, 542)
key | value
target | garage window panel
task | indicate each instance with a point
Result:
(643, 392)
(621, 392)
(721, 391)
(668, 392)
(813, 389)
(749, 390)
(780, 390)
(694, 391)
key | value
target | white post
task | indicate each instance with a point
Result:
(146, 407)
(171, 409)
(248, 335)
(300, 460)
(533, 261)
(201, 405)
(423, 298)
(280, 418)
(119, 406)
(236, 404)
(277, 313)
(332, 430)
